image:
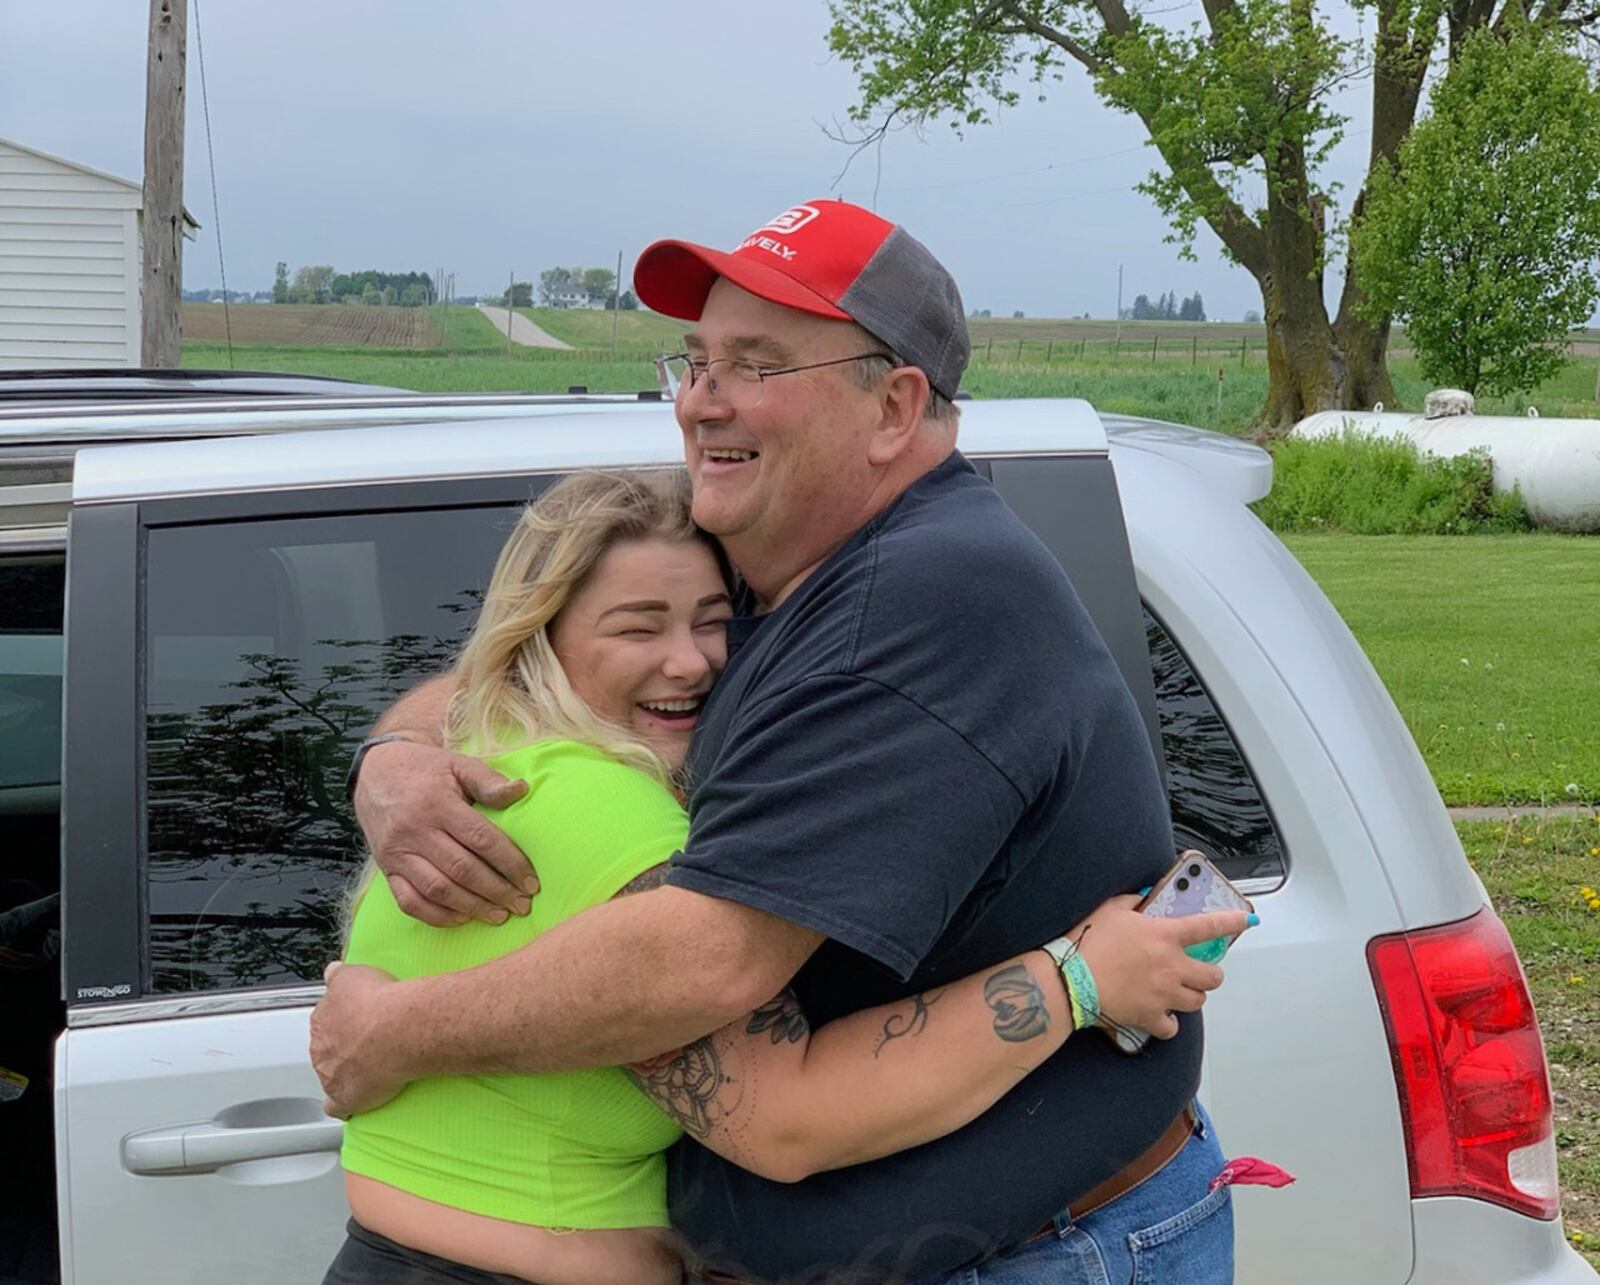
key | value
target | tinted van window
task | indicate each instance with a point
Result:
(271, 648)
(1216, 805)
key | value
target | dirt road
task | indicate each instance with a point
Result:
(523, 331)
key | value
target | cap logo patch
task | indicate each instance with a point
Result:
(795, 217)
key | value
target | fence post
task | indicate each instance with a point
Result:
(1117, 351)
(1154, 344)
(1083, 351)
(1244, 349)
(1219, 397)
(1049, 348)
(1194, 359)
(988, 349)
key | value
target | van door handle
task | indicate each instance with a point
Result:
(203, 1148)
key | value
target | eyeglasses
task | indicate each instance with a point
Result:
(737, 382)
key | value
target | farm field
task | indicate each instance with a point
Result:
(311, 325)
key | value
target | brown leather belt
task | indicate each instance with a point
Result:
(1151, 1161)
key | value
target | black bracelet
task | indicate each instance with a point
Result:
(361, 753)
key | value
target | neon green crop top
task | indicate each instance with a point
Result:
(576, 1149)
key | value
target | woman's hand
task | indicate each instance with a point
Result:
(1140, 967)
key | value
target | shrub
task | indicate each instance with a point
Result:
(1370, 485)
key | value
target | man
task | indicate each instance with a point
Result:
(920, 759)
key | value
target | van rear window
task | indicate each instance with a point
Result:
(1217, 806)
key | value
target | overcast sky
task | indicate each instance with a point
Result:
(498, 135)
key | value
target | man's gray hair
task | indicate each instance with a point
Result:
(866, 374)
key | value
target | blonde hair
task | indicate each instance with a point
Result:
(510, 687)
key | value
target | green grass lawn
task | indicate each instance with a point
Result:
(471, 369)
(1490, 646)
(637, 331)
(1535, 872)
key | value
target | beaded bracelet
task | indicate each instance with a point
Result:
(1082, 994)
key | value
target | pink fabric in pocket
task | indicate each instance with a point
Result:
(1248, 1171)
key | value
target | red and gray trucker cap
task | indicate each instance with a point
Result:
(835, 260)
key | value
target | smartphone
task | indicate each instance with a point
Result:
(1193, 886)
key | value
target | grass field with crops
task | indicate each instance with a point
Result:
(311, 325)
(1168, 370)
(1542, 877)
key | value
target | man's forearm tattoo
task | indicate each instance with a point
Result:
(783, 1016)
(690, 1085)
(1018, 1004)
(914, 1022)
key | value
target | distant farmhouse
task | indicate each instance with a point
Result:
(573, 297)
(70, 251)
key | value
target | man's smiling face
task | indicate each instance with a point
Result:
(787, 479)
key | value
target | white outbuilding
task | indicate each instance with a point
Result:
(70, 250)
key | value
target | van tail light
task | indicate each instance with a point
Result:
(1469, 1064)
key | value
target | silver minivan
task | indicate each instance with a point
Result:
(239, 602)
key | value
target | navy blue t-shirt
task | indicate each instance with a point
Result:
(928, 754)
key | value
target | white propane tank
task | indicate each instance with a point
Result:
(1555, 462)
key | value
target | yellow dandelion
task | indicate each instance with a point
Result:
(1594, 852)
(1594, 903)
(1575, 980)
(1526, 840)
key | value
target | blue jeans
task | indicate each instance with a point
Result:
(1170, 1230)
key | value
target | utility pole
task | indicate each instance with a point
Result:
(1119, 306)
(161, 277)
(616, 306)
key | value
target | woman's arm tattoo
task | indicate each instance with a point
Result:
(912, 1023)
(1018, 1004)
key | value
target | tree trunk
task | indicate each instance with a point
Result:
(1306, 369)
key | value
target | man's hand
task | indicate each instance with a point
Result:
(446, 862)
(1140, 966)
(348, 1029)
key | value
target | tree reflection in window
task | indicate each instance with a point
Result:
(264, 671)
(1216, 805)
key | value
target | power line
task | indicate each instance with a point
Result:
(211, 158)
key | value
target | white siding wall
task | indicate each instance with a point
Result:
(69, 275)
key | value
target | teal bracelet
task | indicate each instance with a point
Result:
(1082, 993)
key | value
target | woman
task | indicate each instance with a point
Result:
(600, 638)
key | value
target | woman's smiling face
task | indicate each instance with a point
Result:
(645, 637)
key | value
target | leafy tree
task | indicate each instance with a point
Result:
(1252, 317)
(552, 282)
(1484, 239)
(415, 295)
(280, 283)
(629, 301)
(599, 284)
(1192, 309)
(1239, 104)
(311, 283)
(1143, 309)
